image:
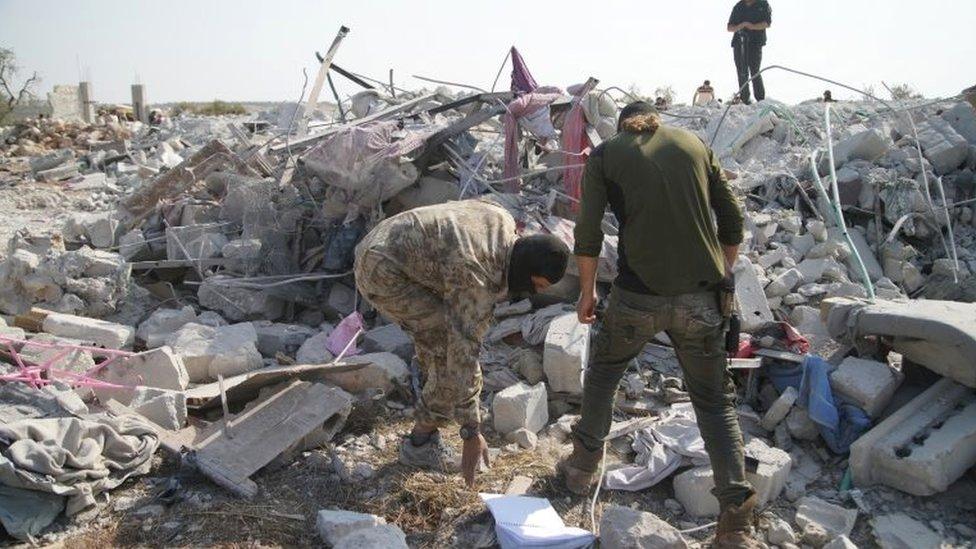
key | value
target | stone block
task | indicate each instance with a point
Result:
(566, 353)
(780, 532)
(900, 531)
(800, 425)
(864, 250)
(812, 269)
(75, 361)
(821, 521)
(752, 301)
(155, 330)
(333, 525)
(924, 446)
(389, 339)
(779, 409)
(803, 243)
(195, 241)
(520, 406)
(386, 536)
(131, 244)
(807, 321)
(867, 383)
(625, 528)
(315, 350)
(868, 145)
(101, 332)
(942, 145)
(166, 409)
(159, 368)
(383, 371)
(528, 363)
(693, 488)
(342, 300)
(237, 303)
(962, 118)
(207, 351)
(524, 438)
(275, 337)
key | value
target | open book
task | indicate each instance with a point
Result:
(522, 521)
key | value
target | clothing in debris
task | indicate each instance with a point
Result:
(747, 45)
(438, 271)
(663, 188)
(696, 327)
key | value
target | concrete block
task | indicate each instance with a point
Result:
(868, 145)
(164, 408)
(864, 249)
(693, 488)
(383, 371)
(275, 337)
(162, 323)
(342, 300)
(207, 351)
(520, 406)
(942, 145)
(389, 339)
(800, 425)
(195, 241)
(74, 361)
(131, 244)
(159, 368)
(867, 383)
(962, 118)
(784, 283)
(803, 243)
(566, 353)
(315, 350)
(924, 446)
(625, 528)
(528, 363)
(779, 409)
(749, 293)
(333, 525)
(236, 303)
(812, 269)
(780, 532)
(841, 542)
(821, 521)
(386, 536)
(101, 332)
(524, 438)
(771, 259)
(900, 531)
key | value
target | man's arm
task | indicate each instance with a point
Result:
(735, 20)
(756, 26)
(589, 233)
(728, 212)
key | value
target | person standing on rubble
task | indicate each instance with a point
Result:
(748, 23)
(437, 271)
(663, 184)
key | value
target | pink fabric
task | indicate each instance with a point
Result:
(575, 141)
(522, 81)
(522, 106)
(345, 332)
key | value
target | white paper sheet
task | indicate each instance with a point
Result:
(522, 521)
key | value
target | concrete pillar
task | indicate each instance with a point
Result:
(85, 102)
(139, 103)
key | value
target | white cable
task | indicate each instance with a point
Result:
(599, 483)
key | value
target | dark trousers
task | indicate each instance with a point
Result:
(748, 61)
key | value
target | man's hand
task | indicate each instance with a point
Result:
(586, 307)
(474, 448)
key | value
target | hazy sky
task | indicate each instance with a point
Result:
(255, 50)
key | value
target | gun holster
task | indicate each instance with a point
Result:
(726, 302)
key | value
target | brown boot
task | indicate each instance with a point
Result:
(580, 468)
(735, 527)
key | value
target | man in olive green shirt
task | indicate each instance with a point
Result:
(663, 185)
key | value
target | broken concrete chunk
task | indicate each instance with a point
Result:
(779, 409)
(942, 145)
(162, 323)
(131, 244)
(900, 531)
(238, 303)
(962, 118)
(75, 361)
(841, 542)
(752, 301)
(387, 536)
(780, 532)
(207, 352)
(160, 368)
(693, 488)
(821, 521)
(520, 406)
(342, 300)
(164, 408)
(625, 528)
(315, 350)
(524, 438)
(274, 338)
(800, 425)
(383, 371)
(101, 332)
(333, 525)
(867, 383)
(923, 447)
(566, 353)
(195, 241)
(528, 363)
(784, 283)
(389, 339)
(867, 145)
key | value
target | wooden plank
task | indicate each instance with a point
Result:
(263, 432)
(313, 96)
(247, 386)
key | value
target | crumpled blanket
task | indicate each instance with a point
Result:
(75, 457)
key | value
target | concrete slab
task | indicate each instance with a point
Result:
(101, 332)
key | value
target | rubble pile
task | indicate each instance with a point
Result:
(207, 294)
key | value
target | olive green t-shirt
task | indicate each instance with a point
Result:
(663, 188)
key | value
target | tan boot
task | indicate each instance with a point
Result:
(735, 527)
(580, 468)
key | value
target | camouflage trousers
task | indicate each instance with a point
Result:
(451, 390)
(696, 328)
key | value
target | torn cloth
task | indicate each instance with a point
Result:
(661, 449)
(576, 149)
(522, 80)
(74, 457)
(534, 106)
(839, 424)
